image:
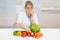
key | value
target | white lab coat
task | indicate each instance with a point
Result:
(22, 18)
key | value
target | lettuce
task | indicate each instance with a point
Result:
(34, 28)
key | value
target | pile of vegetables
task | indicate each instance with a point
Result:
(35, 32)
(27, 34)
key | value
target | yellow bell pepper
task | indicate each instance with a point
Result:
(19, 33)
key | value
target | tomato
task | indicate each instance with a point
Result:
(28, 34)
(24, 34)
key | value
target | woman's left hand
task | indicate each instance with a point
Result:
(32, 13)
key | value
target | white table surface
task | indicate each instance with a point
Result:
(48, 34)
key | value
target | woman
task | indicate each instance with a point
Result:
(25, 19)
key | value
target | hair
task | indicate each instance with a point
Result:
(28, 3)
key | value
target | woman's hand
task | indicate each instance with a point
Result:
(28, 30)
(32, 17)
(32, 13)
(24, 27)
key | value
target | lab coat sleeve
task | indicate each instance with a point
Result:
(36, 19)
(19, 18)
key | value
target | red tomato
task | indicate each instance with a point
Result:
(28, 34)
(24, 34)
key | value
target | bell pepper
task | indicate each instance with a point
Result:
(19, 33)
(15, 33)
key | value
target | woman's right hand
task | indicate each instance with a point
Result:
(28, 30)
(24, 27)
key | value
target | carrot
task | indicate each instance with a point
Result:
(38, 35)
